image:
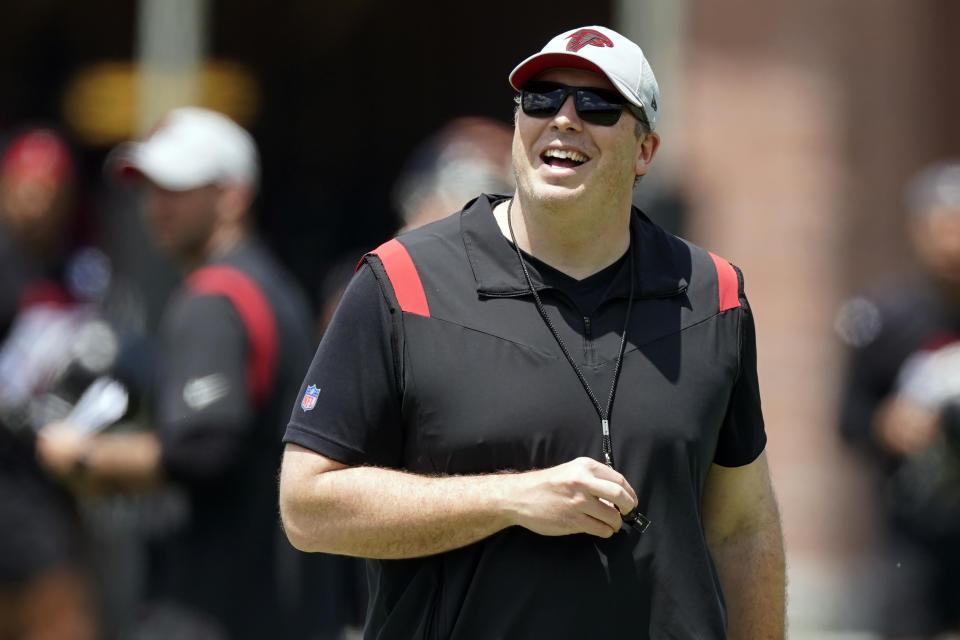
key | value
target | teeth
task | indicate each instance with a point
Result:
(564, 154)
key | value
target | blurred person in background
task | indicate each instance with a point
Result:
(36, 214)
(467, 156)
(901, 406)
(41, 567)
(234, 341)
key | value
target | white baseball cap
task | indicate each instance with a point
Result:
(600, 50)
(936, 186)
(191, 147)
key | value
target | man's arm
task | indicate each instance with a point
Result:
(130, 460)
(742, 525)
(203, 411)
(383, 513)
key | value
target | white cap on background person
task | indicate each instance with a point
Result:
(601, 50)
(191, 147)
(936, 186)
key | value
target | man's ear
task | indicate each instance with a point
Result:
(646, 149)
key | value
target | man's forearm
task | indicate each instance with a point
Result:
(752, 574)
(383, 513)
(129, 459)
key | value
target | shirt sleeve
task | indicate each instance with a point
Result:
(861, 396)
(349, 403)
(742, 435)
(203, 411)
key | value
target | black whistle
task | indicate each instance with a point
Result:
(637, 520)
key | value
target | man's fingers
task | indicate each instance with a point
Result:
(613, 493)
(604, 512)
(596, 527)
(601, 471)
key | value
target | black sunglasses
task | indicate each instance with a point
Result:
(603, 107)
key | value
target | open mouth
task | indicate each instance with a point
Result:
(563, 158)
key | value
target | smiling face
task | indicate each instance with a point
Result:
(561, 158)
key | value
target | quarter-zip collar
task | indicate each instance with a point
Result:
(661, 269)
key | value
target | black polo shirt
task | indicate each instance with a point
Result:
(463, 377)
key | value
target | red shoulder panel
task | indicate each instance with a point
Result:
(257, 317)
(404, 277)
(727, 283)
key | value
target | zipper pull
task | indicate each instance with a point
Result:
(637, 520)
(605, 427)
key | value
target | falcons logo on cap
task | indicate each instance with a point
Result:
(583, 37)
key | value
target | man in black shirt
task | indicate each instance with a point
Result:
(901, 407)
(502, 390)
(234, 343)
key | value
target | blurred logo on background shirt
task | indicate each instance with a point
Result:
(200, 393)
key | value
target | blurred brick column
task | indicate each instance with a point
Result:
(768, 193)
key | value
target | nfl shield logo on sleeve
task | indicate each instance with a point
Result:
(310, 398)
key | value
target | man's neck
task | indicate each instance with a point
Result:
(577, 239)
(221, 242)
(949, 292)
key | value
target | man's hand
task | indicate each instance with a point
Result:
(904, 427)
(580, 496)
(60, 447)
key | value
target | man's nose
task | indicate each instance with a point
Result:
(567, 118)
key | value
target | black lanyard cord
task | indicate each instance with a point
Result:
(604, 414)
(636, 519)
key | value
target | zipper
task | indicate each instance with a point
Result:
(587, 341)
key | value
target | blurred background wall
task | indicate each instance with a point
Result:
(789, 130)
